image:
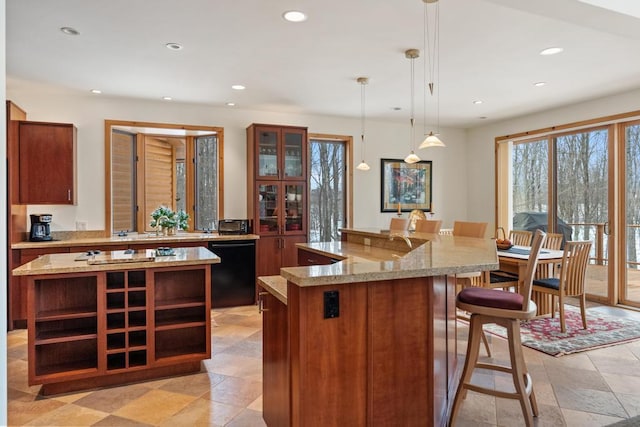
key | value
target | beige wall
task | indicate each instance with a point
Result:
(384, 140)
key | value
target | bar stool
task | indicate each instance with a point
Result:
(506, 309)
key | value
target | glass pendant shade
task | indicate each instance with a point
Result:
(363, 166)
(412, 158)
(432, 141)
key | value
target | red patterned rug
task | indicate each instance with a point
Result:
(543, 334)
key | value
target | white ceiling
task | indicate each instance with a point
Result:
(489, 51)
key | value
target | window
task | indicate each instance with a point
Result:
(152, 164)
(328, 187)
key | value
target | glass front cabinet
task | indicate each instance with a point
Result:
(280, 152)
(280, 208)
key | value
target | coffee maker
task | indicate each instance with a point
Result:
(40, 231)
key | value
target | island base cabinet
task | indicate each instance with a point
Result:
(275, 368)
(87, 330)
(387, 358)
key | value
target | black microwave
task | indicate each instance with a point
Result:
(234, 226)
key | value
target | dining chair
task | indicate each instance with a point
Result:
(428, 226)
(506, 309)
(571, 281)
(398, 224)
(469, 229)
(520, 237)
(554, 242)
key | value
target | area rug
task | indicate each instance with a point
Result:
(543, 334)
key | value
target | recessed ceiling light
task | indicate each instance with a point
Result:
(174, 46)
(551, 51)
(167, 98)
(96, 91)
(238, 87)
(396, 108)
(69, 31)
(482, 117)
(539, 84)
(231, 104)
(477, 101)
(294, 16)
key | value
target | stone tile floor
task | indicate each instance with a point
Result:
(593, 388)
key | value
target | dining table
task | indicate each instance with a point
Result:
(515, 259)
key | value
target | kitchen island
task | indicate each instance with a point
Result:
(366, 334)
(116, 317)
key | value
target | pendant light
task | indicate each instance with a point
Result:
(412, 54)
(362, 81)
(432, 49)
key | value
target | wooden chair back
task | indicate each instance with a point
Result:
(574, 267)
(539, 238)
(469, 229)
(428, 226)
(398, 224)
(520, 237)
(554, 241)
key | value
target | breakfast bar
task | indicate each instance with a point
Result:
(365, 333)
(117, 316)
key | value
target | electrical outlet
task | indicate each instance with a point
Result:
(367, 241)
(81, 225)
(331, 304)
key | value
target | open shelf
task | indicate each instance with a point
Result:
(180, 316)
(184, 285)
(180, 342)
(68, 356)
(66, 330)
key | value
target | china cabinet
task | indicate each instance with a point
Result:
(277, 193)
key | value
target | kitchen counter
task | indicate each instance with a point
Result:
(66, 262)
(365, 334)
(141, 318)
(431, 255)
(133, 238)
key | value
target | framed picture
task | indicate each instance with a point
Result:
(405, 187)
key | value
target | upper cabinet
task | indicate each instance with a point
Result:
(47, 162)
(279, 152)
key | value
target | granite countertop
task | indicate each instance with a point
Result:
(68, 263)
(432, 255)
(133, 238)
(276, 285)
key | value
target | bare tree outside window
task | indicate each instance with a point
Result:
(206, 208)
(327, 184)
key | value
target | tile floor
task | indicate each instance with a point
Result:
(594, 388)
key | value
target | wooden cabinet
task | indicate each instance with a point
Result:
(273, 253)
(306, 258)
(275, 361)
(47, 163)
(277, 193)
(110, 327)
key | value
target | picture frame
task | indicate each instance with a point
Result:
(405, 187)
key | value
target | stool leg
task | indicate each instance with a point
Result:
(519, 370)
(486, 343)
(473, 349)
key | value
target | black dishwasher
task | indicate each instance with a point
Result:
(233, 280)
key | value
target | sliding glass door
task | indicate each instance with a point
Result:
(630, 289)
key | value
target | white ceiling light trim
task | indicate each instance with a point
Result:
(238, 87)
(294, 16)
(174, 46)
(551, 51)
(70, 31)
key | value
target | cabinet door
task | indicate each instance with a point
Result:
(294, 144)
(290, 250)
(267, 148)
(294, 198)
(269, 208)
(275, 361)
(268, 256)
(47, 163)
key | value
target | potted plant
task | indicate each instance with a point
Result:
(165, 219)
